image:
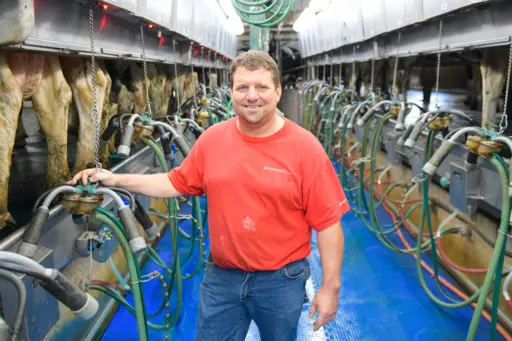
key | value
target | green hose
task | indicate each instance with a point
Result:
(132, 270)
(120, 299)
(498, 252)
(176, 268)
(245, 14)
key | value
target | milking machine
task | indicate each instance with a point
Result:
(426, 142)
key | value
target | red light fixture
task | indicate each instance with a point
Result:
(105, 6)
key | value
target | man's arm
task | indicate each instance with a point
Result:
(331, 244)
(151, 185)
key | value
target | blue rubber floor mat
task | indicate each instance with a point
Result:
(381, 297)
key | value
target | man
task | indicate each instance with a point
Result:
(268, 182)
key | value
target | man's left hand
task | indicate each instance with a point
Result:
(326, 303)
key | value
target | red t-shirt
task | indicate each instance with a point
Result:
(264, 194)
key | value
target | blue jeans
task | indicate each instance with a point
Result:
(231, 298)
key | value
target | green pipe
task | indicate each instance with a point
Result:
(132, 270)
(120, 299)
(498, 252)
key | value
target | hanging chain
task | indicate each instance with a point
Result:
(202, 66)
(193, 79)
(94, 110)
(396, 66)
(438, 67)
(341, 73)
(504, 117)
(209, 69)
(146, 79)
(331, 71)
(176, 75)
(354, 67)
(372, 77)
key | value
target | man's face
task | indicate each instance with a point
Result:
(254, 94)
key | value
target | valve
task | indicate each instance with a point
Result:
(202, 118)
(440, 122)
(81, 204)
(473, 143)
(487, 148)
(141, 130)
(394, 109)
(204, 101)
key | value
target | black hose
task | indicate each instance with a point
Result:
(22, 300)
(43, 196)
(125, 194)
(165, 140)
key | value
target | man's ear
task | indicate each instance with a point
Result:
(279, 91)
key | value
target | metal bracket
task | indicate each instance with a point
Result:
(389, 140)
(416, 158)
(464, 188)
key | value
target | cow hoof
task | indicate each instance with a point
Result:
(6, 219)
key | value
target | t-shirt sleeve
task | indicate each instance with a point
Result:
(323, 197)
(187, 178)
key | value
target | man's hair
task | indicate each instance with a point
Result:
(253, 60)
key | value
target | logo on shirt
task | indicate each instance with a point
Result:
(276, 170)
(249, 224)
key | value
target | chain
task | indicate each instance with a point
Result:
(146, 79)
(372, 77)
(209, 70)
(202, 66)
(94, 109)
(504, 117)
(396, 65)
(438, 67)
(193, 80)
(176, 75)
(331, 72)
(341, 73)
(354, 67)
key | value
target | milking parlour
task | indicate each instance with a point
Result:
(255, 170)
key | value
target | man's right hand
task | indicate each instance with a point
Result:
(107, 178)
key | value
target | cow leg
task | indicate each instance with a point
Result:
(428, 79)
(156, 89)
(493, 68)
(51, 103)
(78, 74)
(166, 97)
(11, 98)
(406, 76)
(140, 104)
(106, 113)
(21, 133)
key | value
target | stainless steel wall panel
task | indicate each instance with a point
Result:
(182, 21)
(400, 13)
(433, 8)
(353, 22)
(16, 20)
(128, 5)
(159, 12)
(373, 12)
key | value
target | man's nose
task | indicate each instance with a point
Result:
(252, 94)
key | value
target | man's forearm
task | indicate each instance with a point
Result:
(331, 244)
(151, 185)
